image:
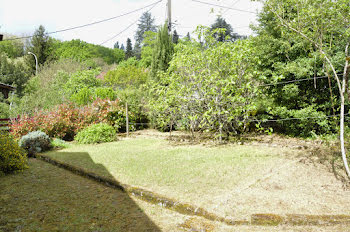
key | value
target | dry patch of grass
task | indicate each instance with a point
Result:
(47, 198)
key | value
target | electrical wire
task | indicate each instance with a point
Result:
(89, 24)
(119, 33)
(230, 6)
(293, 81)
(226, 7)
(289, 119)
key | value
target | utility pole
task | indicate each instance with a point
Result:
(169, 16)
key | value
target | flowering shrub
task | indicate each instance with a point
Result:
(12, 157)
(35, 142)
(67, 120)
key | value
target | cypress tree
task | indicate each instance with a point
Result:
(175, 37)
(163, 51)
(128, 52)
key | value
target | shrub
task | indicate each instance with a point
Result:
(96, 133)
(59, 143)
(35, 142)
(67, 120)
(12, 156)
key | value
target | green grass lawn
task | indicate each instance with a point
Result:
(189, 173)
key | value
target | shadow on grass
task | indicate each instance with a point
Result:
(48, 198)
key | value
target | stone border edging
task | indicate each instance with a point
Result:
(187, 209)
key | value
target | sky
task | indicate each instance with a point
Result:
(22, 17)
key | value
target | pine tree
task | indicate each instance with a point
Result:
(122, 47)
(128, 52)
(188, 37)
(175, 37)
(40, 45)
(221, 23)
(146, 23)
(163, 51)
(137, 50)
(116, 45)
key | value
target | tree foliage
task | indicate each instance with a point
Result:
(146, 23)
(228, 35)
(41, 46)
(163, 51)
(13, 73)
(209, 89)
(128, 51)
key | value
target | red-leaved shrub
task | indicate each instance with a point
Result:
(67, 120)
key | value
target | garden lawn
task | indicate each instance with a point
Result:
(233, 181)
(194, 174)
(47, 198)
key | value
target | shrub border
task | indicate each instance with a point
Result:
(188, 209)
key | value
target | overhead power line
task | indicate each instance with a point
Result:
(293, 81)
(230, 6)
(290, 119)
(226, 7)
(89, 24)
(119, 33)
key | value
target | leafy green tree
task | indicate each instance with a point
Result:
(163, 51)
(82, 51)
(75, 49)
(128, 52)
(12, 48)
(46, 90)
(13, 73)
(175, 37)
(228, 35)
(150, 39)
(324, 25)
(41, 46)
(146, 23)
(210, 89)
(285, 57)
(127, 73)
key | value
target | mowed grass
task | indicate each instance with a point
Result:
(190, 173)
(47, 198)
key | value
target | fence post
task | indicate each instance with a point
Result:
(127, 119)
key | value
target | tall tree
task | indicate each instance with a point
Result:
(40, 45)
(324, 25)
(221, 37)
(188, 37)
(146, 23)
(137, 51)
(116, 45)
(163, 51)
(175, 37)
(128, 52)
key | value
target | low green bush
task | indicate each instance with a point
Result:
(59, 143)
(96, 133)
(35, 142)
(12, 156)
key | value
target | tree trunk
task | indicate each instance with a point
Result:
(342, 142)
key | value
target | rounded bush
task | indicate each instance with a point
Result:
(96, 133)
(12, 156)
(35, 142)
